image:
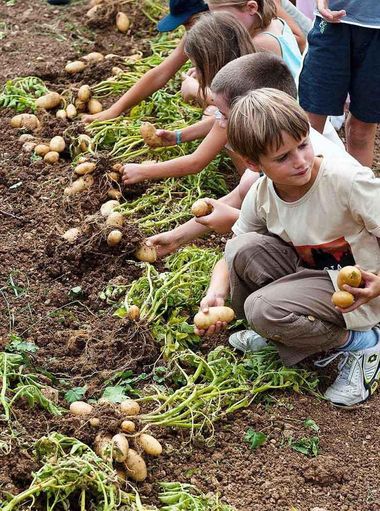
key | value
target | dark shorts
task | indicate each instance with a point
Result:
(342, 59)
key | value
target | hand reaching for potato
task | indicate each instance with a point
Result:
(105, 115)
(164, 243)
(134, 173)
(222, 217)
(189, 88)
(168, 138)
(212, 299)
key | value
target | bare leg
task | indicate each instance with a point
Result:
(360, 139)
(317, 121)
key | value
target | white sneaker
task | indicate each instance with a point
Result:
(247, 340)
(358, 376)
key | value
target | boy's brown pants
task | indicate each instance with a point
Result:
(281, 300)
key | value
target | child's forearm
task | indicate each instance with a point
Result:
(198, 130)
(219, 284)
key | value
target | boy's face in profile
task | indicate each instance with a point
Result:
(290, 165)
(224, 109)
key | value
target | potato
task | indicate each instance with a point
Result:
(149, 444)
(107, 208)
(51, 157)
(80, 105)
(80, 408)
(114, 194)
(80, 185)
(71, 234)
(135, 466)
(28, 121)
(201, 208)
(41, 149)
(128, 426)
(203, 320)
(133, 312)
(84, 93)
(75, 67)
(85, 168)
(120, 447)
(122, 22)
(116, 70)
(57, 144)
(146, 254)
(92, 12)
(71, 111)
(49, 101)
(61, 114)
(148, 133)
(130, 407)
(342, 299)
(103, 447)
(93, 57)
(113, 176)
(114, 238)
(28, 147)
(115, 219)
(118, 167)
(349, 275)
(26, 137)
(94, 106)
(94, 422)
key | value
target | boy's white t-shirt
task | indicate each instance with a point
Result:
(335, 224)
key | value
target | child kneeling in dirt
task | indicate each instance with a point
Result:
(300, 222)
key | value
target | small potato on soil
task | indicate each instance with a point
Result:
(114, 194)
(94, 106)
(115, 219)
(85, 168)
(28, 121)
(57, 144)
(93, 57)
(49, 101)
(130, 407)
(204, 320)
(26, 137)
(133, 313)
(75, 67)
(71, 111)
(80, 408)
(128, 426)
(84, 93)
(51, 157)
(122, 22)
(80, 105)
(103, 446)
(342, 299)
(41, 149)
(28, 147)
(80, 185)
(349, 275)
(94, 422)
(108, 207)
(116, 70)
(120, 447)
(114, 238)
(135, 466)
(72, 234)
(201, 208)
(148, 133)
(149, 444)
(146, 254)
(61, 114)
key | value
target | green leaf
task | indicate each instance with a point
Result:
(254, 438)
(309, 423)
(306, 445)
(18, 345)
(114, 394)
(75, 394)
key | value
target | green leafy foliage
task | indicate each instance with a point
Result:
(306, 445)
(254, 438)
(75, 394)
(309, 423)
(186, 497)
(21, 93)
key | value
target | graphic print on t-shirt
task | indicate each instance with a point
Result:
(332, 255)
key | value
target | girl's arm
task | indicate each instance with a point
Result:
(298, 34)
(194, 132)
(153, 80)
(183, 166)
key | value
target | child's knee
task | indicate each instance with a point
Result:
(239, 250)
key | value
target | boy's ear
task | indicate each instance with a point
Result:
(252, 7)
(253, 166)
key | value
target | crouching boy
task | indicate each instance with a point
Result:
(304, 219)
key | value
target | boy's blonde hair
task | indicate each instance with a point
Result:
(257, 121)
(266, 8)
(213, 41)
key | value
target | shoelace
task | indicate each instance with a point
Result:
(323, 362)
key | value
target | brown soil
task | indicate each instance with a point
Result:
(80, 341)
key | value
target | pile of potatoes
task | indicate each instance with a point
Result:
(49, 151)
(114, 221)
(351, 276)
(122, 21)
(84, 169)
(116, 448)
